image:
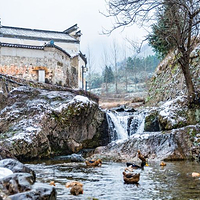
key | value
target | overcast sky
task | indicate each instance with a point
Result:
(58, 15)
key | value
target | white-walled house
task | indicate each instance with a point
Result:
(42, 55)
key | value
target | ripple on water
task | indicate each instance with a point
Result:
(173, 181)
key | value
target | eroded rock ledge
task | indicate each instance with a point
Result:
(36, 123)
(171, 132)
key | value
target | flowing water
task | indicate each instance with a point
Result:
(122, 125)
(174, 181)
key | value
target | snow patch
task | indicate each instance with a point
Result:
(27, 135)
(5, 172)
(81, 98)
(169, 110)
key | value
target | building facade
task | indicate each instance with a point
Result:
(46, 56)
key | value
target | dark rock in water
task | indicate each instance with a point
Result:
(132, 125)
(21, 184)
(38, 192)
(46, 192)
(16, 166)
(120, 109)
(123, 108)
(17, 183)
(151, 122)
(77, 158)
(130, 110)
(70, 158)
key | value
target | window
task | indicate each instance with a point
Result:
(41, 76)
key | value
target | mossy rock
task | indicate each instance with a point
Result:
(151, 122)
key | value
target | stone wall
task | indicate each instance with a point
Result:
(8, 83)
(26, 62)
(169, 82)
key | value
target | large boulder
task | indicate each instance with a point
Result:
(176, 144)
(39, 123)
(172, 115)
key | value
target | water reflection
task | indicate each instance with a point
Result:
(173, 181)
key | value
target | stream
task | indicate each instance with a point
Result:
(174, 181)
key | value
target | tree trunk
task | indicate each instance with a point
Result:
(188, 79)
(106, 87)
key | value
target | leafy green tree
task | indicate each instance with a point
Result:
(96, 80)
(159, 39)
(108, 75)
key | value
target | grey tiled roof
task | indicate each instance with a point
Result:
(21, 46)
(33, 47)
(7, 31)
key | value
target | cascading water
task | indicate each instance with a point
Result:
(123, 125)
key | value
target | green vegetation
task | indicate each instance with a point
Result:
(132, 71)
(108, 75)
(158, 39)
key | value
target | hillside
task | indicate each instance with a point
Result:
(168, 81)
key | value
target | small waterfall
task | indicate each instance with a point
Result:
(117, 126)
(123, 125)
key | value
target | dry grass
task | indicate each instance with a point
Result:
(113, 104)
(109, 105)
(134, 100)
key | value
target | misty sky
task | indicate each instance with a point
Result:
(58, 15)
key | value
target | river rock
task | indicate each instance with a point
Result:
(171, 115)
(19, 183)
(17, 167)
(5, 172)
(176, 144)
(71, 158)
(36, 123)
(39, 191)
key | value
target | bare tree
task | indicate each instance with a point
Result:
(105, 63)
(125, 67)
(129, 12)
(115, 53)
(183, 29)
(90, 64)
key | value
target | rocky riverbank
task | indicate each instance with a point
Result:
(171, 132)
(19, 182)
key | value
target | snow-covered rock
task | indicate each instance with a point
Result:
(39, 123)
(171, 115)
(5, 172)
